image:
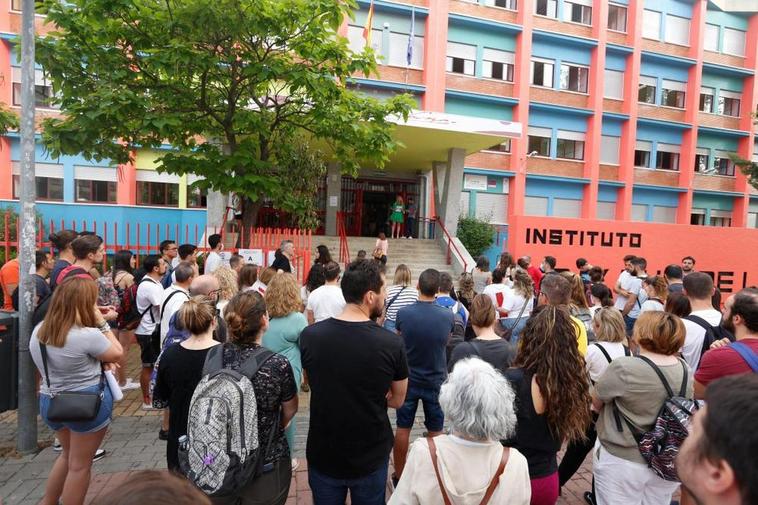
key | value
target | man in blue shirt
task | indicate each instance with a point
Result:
(445, 300)
(425, 328)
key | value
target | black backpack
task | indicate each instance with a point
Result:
(712, 333)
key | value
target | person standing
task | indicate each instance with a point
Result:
(181, 369)
(175, 296)
(397, 216)
(122, 274)
(622, 294)
(481, 274)
(284, 256)
(410, 218)
(285, 325)
(62, 242)
(381, 248)
(168, 250)
(487, 345)
(634, 293)
(556, 291)
(444, 298)
(498, 291)
(9, 276)
(688, 265)
(656, 291)
(326, 301)
(323, 256)
(214, 260)
(399, 295)
(70, 349)
(700, 323)
(315, 280)
(425, 328)
(548, 265)
(149, 299)
(674, 275)
(356, 370)
(518, 304)
(535, 273)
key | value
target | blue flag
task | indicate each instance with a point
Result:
(409, 51)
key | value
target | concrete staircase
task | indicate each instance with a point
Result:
(416, 254)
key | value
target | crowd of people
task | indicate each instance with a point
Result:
(510, 367)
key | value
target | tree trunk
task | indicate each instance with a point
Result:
(250, 214)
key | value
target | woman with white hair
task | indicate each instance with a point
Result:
(469, 466)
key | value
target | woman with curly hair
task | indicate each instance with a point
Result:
(227, 281)
(466, 292)
(286, 322)
(315, 280)
(508, 265)
(552, 397)
(578, 305)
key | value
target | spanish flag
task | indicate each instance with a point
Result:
(369, 22)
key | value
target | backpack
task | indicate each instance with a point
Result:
(660, 446)
(458, 334)
(129, 316)
(586, 319)
(221, 451)
(712, 333)
(107, 293)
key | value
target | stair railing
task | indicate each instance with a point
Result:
(342, 232)
(450, 244)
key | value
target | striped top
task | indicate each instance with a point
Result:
(408, 296)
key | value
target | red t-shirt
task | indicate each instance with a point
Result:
(536, 275)
(724, 361)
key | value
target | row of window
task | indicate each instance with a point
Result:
(163, 194)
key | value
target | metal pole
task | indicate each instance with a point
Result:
(27, 398)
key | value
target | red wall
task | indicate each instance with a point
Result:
(729, 254)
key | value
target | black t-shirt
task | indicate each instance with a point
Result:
(498, 353)
(350, 367)
(533, 438)
(425, 328)
(281, 263)
(57, 268)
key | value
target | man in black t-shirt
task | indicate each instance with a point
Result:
(425, 328)
(356, 369)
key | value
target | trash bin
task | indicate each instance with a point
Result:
(8, 361)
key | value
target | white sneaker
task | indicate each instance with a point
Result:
(129, 385)
(57, 447)
(99, 454)
(148, 406)
(295, 464)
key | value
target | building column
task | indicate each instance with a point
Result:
(629, 128)
(126, 188)
(692, 106)
(451, 191)
(435, 49)
(593, 138)
(333, 197)
(520, 147)
(747, 144)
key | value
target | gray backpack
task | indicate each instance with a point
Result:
(221, 451)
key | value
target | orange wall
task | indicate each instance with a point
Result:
(727, 253)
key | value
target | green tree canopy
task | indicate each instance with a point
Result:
(8, 120)
(234, 86)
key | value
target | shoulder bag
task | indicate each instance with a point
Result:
(72, 406)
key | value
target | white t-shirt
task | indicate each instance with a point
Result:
(170, 308)
(325, 302)
(212, 262)
(596, 362)
(149, 294)
(304, 294)
(258, 287)
(493, 290)
(633, 285)
(513, 303)
(693, 341)
(651, 305)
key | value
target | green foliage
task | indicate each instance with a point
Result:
(749, 168)
(477, 235)
(8, 120)
(232, 85)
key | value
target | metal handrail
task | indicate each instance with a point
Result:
(342, 232)
(450, 243)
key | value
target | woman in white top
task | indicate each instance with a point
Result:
(610, 331)
(518, 301)
(482, 275)
(400, 295)
(657, 291)
(462, 466)
(497, 291)
(600, 296)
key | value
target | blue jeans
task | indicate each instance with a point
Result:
(629, 321)
(368, 490)
(516, 332)
(434, 418)
(101, 420)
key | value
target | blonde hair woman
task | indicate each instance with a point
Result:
(283, 334)
(227, 282)
(399, 295)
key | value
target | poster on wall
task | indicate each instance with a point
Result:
(475, 182)
(727, 254)
(252, 256)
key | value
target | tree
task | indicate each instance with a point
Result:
(8, 120)
(748, 167)
(476, 235)
(234, 86)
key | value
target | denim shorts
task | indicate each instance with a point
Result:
(434, 419)
(101, 420)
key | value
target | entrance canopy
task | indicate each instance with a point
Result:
(428, 136)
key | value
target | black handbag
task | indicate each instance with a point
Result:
(72, 406)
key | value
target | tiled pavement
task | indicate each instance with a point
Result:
(132, 445)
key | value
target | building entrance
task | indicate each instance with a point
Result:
(366, 203)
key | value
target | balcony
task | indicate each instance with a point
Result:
(657, 46)
(610, 105)
(656, 177)
(558, 168)
(726, 60)
(714, 182)
(489, 159)
(555, 97)
(483, 86)
(718, 121)
(660, 113)
(609, 172)
(485, 12)
(398, 74)
(554, 26)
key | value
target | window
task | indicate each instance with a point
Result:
(578, 11)
(697, 217)
(677, 30)
(706, 100)
(539, 141)
(16, 5)
(734, 42)
(542, 73)
(647, 88)
(497, 64)
(723, 164)
(673, 94)
(43, 89)
(720, 218)
(547, 8)
(639, 212)
(157, 193)
(651, 25)
(357, 43)
(563, 207)
(752, 219)
(505, 147)
(197, 198)
(701, 160)
(461, 58)
(609, 150)
(664, 214)
(729, 103)
(95, 191)
(505, 4)
(606, 210)
(711, 42)
(48, 188)
(399, 51)
(642, 151)
(574, 78)
(617, 18)
(613, 84)
(535, 206)
(464, 203)
(570, 145)
(492, 207)
(667, 157)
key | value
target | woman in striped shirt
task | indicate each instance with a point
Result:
(399, 295)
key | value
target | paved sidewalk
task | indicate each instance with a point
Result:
(132, 444)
